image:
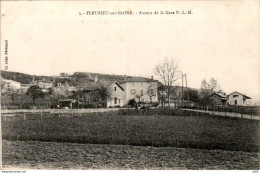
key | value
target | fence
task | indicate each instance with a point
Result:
(22, 116)
(19, 115)
(247, 110)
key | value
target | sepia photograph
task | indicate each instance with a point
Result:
(130, 85)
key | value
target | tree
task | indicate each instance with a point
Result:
(191, 95)
(168, 71)
(161, 89)
(17, 95)
(101, 93)
(34, 92)
(208, 88)
(152, 91)
(58, 93)
(63, 74)
(213, 86)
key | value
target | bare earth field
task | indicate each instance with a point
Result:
(54, 155)
(100, 141)
(198, 132)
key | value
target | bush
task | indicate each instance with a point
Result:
(155, 104)
(90, 106)
(132, 102)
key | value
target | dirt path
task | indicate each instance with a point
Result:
(228, 114)
(51, 155)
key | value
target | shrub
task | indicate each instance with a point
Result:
(132, 102)
(155, 104)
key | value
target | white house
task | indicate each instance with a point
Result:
(138, 88)
(141, 89)
(236, 98)
(7, 84)
(117, 95)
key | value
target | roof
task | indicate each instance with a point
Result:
(89, 86)
(67, 100)
(245, 96)
(119, 86)
(138, 79)
(220, 94)
(9, 80)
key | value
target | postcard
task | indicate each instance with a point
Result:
(130, 85)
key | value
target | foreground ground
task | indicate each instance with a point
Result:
(198, 132)
(53, 155)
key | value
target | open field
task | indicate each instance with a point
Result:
(53, 155)
(202, 132)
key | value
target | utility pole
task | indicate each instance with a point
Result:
(187, 89)
(182, 89)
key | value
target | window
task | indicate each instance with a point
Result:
(235, 102)
(133, 91)
(142, 92)
(115, 88)
(133, 84)
(234, 96)
(115, 101)
(119, 101)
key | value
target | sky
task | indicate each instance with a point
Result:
(218, 40)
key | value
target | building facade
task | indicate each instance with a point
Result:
(117, 95)
(8, 84)
(142, 90)
(236, 98)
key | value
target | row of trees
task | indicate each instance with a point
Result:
(169, 73)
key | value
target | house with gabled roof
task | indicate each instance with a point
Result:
(219, 98)
(141, 89)
(236, 98)
(117, 95)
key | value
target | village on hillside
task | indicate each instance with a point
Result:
(100, 121)
(92, 90)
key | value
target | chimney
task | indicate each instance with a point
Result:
(152, 77)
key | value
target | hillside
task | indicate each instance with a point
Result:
(77, 79)
(20, 77)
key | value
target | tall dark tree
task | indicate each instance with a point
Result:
(34, 92)
(208, 88)
(161, 89)
(101, 93)
(191, 95)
